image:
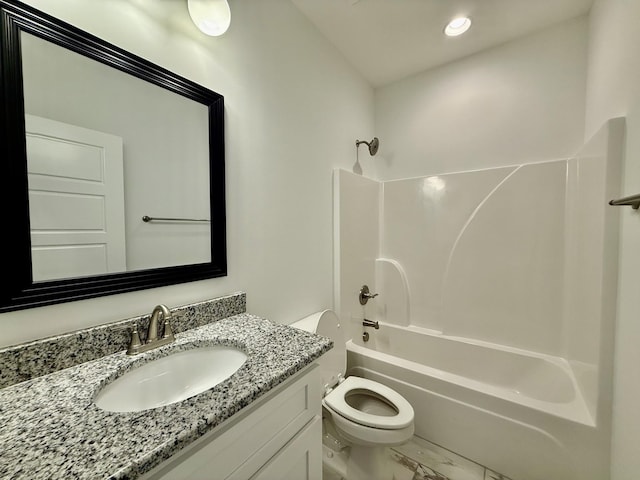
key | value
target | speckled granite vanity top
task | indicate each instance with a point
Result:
(50, 427)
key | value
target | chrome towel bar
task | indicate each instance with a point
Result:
(147, 218)
(632, 200)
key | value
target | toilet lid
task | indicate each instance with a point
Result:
(336, 401)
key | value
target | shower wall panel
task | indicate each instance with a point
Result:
(356, 233)
(483, 252)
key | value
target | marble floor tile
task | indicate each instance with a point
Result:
(491, 475)
(422, 460)
(437, 460)
(403, 468)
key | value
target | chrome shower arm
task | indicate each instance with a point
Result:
(373, 145)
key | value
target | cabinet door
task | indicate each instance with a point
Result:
(248, 441)
(300, 459)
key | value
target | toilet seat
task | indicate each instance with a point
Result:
(336, 401)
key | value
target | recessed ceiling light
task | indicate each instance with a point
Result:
(457, 26)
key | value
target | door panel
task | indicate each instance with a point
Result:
(76, 200)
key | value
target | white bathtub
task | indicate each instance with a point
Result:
(518, 412)
(530, 379)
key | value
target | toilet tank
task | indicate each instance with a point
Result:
(333, 364)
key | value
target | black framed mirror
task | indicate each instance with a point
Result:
(93, 139)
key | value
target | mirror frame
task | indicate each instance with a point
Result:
(22, 292)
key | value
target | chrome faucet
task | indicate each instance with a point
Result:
(152, 341)
(152, 333)
(370, 323)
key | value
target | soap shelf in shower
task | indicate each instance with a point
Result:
(632, 200)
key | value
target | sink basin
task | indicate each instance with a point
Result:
(170, 379)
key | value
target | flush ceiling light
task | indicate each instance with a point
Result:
(457, 26)
(212, 17)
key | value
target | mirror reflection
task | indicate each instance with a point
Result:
(105, 149)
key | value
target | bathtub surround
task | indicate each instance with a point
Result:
(50, 427)
(41, 357)
(478, 245)
(497, 304)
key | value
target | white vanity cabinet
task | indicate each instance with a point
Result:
(277, 437)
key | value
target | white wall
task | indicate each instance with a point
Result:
(520, 102)
(613, 89)
(294, 108)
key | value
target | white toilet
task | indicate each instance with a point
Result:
(366, 415)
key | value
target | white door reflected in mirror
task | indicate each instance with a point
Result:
(76, 200)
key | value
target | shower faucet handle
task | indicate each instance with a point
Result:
(365, 295)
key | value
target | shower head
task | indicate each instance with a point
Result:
(373, 145)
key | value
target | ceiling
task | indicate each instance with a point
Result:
(387, 40)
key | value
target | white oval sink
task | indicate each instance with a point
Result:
(170, 379)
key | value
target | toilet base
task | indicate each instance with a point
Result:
(357, 463)
(369, 463)
(342, 458)
(334, 463)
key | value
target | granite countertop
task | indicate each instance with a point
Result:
(50, 427)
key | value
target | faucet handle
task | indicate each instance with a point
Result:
(365, 295)
(134, 342)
